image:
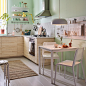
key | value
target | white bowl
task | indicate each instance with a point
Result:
(21, 19)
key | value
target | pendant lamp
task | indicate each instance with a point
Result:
(59, 21)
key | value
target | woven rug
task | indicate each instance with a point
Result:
(17, 70)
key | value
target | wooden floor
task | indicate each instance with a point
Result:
(41, 80)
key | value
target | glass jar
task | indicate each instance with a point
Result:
(25, 5)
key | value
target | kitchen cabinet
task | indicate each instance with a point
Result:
(11, 47)
(26, 47)
(20, 46)
(38, 42)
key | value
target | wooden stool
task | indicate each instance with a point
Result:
(6, 70)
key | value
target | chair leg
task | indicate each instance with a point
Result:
(64, 71)
(59, 65)
(83, 72)
(4, 71)
(43, 65)
(55, 74)
(59, 69)
(74, 76)
(8, 74)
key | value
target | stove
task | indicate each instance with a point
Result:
(40, 35)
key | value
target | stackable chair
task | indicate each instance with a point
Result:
(77, 60)
(6, 70)
(46, 55)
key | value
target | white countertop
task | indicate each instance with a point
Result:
(23, 36)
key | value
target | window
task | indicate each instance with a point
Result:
(3, 9)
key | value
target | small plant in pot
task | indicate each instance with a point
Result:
(5, 17)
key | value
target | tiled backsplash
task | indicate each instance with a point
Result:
(49, 29)
(72, 29)
(24, 27)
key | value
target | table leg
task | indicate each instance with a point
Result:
(61, 59)
(51, 67)
(39, 61)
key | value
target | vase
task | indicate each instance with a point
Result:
(2, 31)
(61, 43)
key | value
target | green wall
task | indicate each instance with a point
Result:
(68, 9)
(16, 2)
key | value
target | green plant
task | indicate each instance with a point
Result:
(5, 17)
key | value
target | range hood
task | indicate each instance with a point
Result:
(46, 12)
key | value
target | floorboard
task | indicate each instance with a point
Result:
(40, 80)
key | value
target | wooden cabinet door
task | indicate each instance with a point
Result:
(26, 47)
(9, 46)
(20, 46)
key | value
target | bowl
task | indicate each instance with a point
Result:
(21, 19)
(56, 45)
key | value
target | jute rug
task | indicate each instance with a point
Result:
(17, 70)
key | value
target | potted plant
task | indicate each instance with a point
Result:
(5, 17)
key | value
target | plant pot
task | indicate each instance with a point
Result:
(2, 31)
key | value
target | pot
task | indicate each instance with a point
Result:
(2, 31)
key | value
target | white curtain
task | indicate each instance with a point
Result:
(3, 7)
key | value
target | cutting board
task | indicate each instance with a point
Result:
(39, 30)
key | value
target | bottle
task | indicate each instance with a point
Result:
(19, 4)
(70, 44)
(22, 4)
(13, 33)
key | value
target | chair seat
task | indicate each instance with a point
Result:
(68, 63)
(48, 55)
(3, 62)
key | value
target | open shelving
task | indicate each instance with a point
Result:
(19, 10)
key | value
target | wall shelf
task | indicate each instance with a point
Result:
(14, 7)
(19, 21)
(19, 10)
(18, 17)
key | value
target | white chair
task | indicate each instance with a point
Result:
(47, 55)
(77, 60)
(6, 72)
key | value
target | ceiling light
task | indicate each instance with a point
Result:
(59, 21)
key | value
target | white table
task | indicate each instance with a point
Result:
(51, 49)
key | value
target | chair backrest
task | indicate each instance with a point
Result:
(78, 55)
(47, 43)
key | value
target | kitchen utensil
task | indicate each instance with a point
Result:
(40, 30)
(17, 30)
(35, 27)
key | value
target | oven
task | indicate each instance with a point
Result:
(32, 46)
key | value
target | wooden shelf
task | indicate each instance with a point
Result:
(14, 7)
(18, 17)
(19, 12)
(19, 21)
